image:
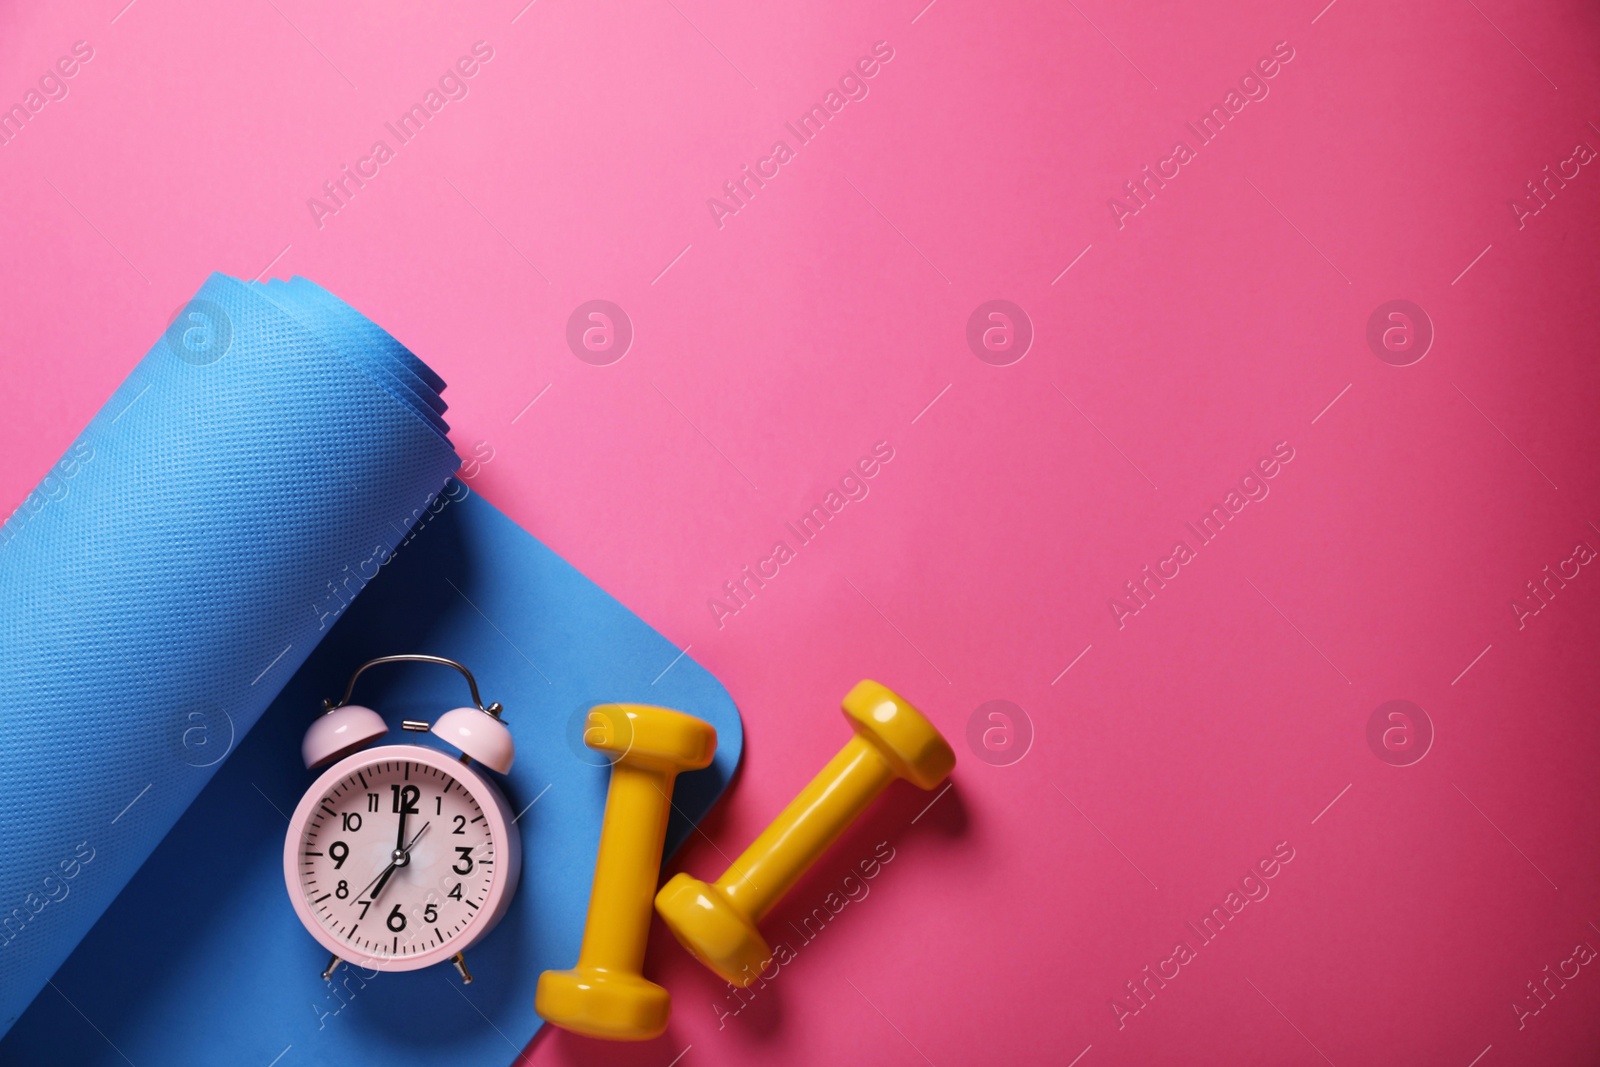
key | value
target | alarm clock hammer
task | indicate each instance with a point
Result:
(443, 886)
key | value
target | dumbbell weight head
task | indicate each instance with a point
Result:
(598, 1002)
(714, 930)
(644, 735)
(911, 744)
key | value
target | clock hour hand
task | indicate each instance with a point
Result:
(379, 882)
(401, 857)
(383, 876)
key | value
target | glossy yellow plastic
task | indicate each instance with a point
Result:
(606, 995)
(718, 923)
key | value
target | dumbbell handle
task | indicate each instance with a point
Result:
(628, 864)
(825, 808)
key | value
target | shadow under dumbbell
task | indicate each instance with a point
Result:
(879, 853)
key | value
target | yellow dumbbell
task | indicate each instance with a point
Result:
(606, 995)
(717, 923)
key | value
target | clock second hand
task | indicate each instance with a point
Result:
(377, 884)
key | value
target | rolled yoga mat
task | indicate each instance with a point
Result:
(264, 459)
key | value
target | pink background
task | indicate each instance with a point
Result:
(772, 352)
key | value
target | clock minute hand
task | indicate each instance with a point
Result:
(406, 852)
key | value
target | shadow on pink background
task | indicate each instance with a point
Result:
(1171, 751)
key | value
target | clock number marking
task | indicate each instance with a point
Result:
(429, 910)
(405, 799)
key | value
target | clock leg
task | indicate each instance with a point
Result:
(333, 965)
(461, 967)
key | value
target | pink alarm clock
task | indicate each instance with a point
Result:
(403, 856)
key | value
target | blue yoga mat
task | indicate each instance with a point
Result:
(203, 541)
(174, 569)
(201, 959)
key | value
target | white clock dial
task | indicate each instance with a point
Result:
(396, 860)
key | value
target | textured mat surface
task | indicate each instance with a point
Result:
(201, 959)
(170, 574)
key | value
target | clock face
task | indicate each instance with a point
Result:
(396, 857)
